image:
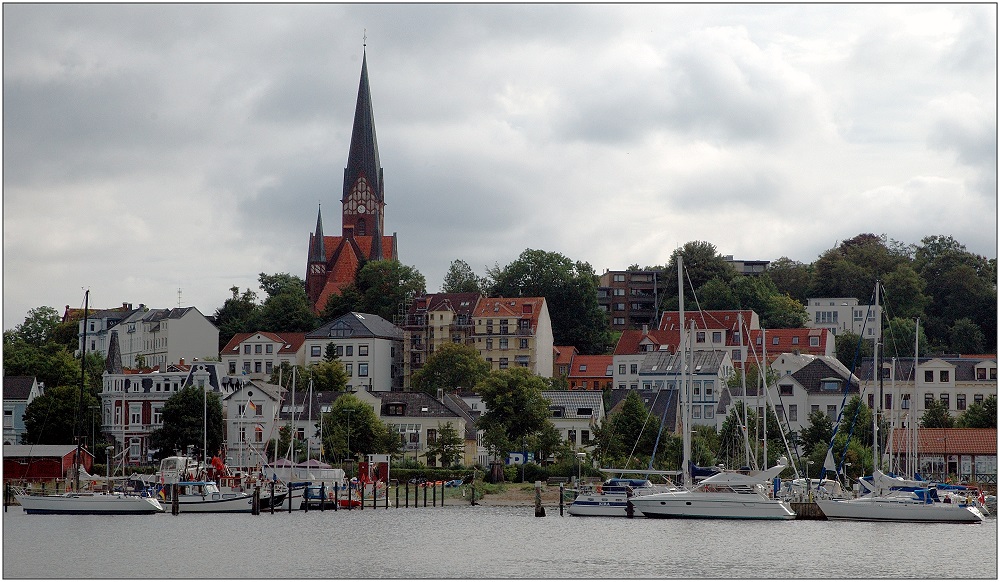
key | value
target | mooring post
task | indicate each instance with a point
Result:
(442, 494)
(291, 493)
(336, 496)
(350, 505)
(434, 495)
(175, 502)
(305, 498)
(270, 500)
(362, 494)
(322, 496)
(561, 491)
(255, 502)
(539, 510)
(407, 494)
(397, 495)
(425, 493)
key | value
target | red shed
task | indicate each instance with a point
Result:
(42, 462)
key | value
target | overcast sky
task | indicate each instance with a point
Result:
(156, 147)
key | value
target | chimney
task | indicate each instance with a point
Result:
(441, 395)
(645, 329)
(181, 362)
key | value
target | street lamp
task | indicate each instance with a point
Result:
(348, 411)
(579, 468)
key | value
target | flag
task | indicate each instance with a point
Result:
(251, 406)
(982, 497)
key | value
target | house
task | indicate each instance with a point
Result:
(250, 412)
(369, 347)
(631, 297)
(432, 320)
(42, 462)
(817, 385)
(839, 314)
(255, 355)
(156, 337)
(562, 357)
(418, 418)
(715, 330)
(575, 414)
(591, 372)
(909, 388)
(963, 455)
(662, 405)
(631, 350)
(18, 392)
(707, 374)
(99, 323)
(514, 331)
(805, 340)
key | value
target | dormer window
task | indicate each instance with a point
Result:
(395, 409)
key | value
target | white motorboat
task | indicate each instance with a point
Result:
(725, 495)
(91, 503)
(205, 497)
(611, 498)
(915, 506)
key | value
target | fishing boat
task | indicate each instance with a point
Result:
(199, 494)
(78, 501)
(896, 499)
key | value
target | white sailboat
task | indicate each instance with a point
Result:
(887, 501)
(86, 502)
(724, 495)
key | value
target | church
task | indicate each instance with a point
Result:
(333, 260)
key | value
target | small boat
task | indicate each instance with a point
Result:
(88, 503)
(199, 495)
(205, 497)
(913, 507)
(611, 498)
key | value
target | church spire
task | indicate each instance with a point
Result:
(362, 160)
(318, 251)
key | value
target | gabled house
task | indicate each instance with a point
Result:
(591, 372)
(32, 463)
(255, 355)
(818, 385)
(250, 412)
(157, 337)
(562, 357)
(707, 373)
(514, 332)
(803, 340)
(419, 418)
(99, 323)
(715, 330)
(18, 393)
(369, 347)
(575, 415)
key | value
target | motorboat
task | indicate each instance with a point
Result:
(92, 503)
(611, 498)
(205, 497)
(724, 495)
(915, 505)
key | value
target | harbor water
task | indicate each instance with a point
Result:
(466, 542)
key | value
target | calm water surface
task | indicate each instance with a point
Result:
(484, 542)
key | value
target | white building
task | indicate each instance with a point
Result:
(250, 411)
(369, 347)
(575, 414)
(839, 314)
(255, 355)
(158, 337)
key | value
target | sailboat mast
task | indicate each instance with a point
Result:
(83, 377)
(685, 397)
(879, 352)
(743, 385)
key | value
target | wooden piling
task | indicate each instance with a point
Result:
(407, 494)
(539, 510)
(560, 500)
(425, 493)
(434, 490)
(362, 495)
(270, 501)
(397, 496)
(175, 502)
(255, 503)
(350, 505)
(322, 496)
(336, 497)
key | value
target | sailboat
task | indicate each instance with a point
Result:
(86, 502)
(887, 501)
(725, 495)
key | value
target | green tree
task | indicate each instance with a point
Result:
(57, 416)
(570, 292)
(328, 376)
(515, 409)
(966, 337)
(238, 314)
(460, 278)
(791, 278)
(385, 285)
(282, 444)
(635, 430)
(851, 348)
(347, 301)
(851, 269)
(451, 367)
(448, 447)
(898, 338)
(184, 419)
(936, 416)
(51, 364)
(287, 308)
(818, 433)
(904, 292)
(979, 415)
(39, 326)
(351, 419)
(701, 264)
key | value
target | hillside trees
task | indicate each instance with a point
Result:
(570, 292)
(516, 409)
(460, 278)
(379, 288)
(451, 367)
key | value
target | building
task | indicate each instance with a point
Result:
(716, 330)
(150, 338)
(575, 415)
(418, 418)
(514, 331)
(369, 347)
(955, 382)
(749, 268)
(661, 404)
(707, 373)
(631, 297)
(432, 320)
(591, 372)
(18, 393)
(250, 412)
(803, 340)
(99, 324)
(333, 260)
(255, 355)
(34, 463)
(818, 385)
(959, 455)
(839, 314)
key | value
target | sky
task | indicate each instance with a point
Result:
(164, 153)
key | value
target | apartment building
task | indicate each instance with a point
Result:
(255, 355)
(432, 320)
(514, 331)
(631, 297)
(839, 314)
(369, 347)
(157, 337)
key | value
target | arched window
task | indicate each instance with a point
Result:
(362, 227)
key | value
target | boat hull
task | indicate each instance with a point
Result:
(89, 504)
(602, 506)
(700, 505)
(902, 510)
(198, 504)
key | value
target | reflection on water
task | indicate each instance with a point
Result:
(484, 542)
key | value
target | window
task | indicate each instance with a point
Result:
(363, 370)
(363, 350)
(980, 373)
(349, 369)
(695, 412)
(774, 340)
(246, 348)
(503, 363)
(158, 415)
(571, 436)
(813, 408)
(232, 367)
(349, 350)
(904, 402)
(737, 356)
(786, 389)
(300, 433)
(619, 321)
(257, 348)
(946, 400)
(243, 434)
(135, 413)
(523, 343)
(634, 369)
(709, 411)
(709, 388)
(258, 434)
(621, 368)
(269, 348)
(960, 402)
(699, 337)
(928, 399)
(928, 375)
(814, 342)
(257, 367)
(432, 436)
(717, 337)
(315, 351)
(945, 375)
(8, 418)
(831, 411)
(268, 367)
(977, 399)
(795, 340)
(503, 343)
(888, 401)
(584, 437)
(793, 412)
(584, 411)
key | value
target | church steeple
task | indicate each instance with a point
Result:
(317, 252)
(364, 197)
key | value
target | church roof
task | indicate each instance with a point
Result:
(363, 156)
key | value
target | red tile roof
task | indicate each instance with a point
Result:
(711, 319)
(343, 255)
(513, 307)
(957, 441)
(593, 366)
(631, 339)
(563, 354)
(291, 341)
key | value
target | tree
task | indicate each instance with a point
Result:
(287, 307)
(451, 367)
(385, 285)
(899, 337)
(515, 409)
(570, 292)
(353, 423)
(39, 326)
(904, 292)
(852, 348)
(818, 433)
(279, 447)
(347, 301)
(56, 417)
(633, 428)
(979, 415)
(238, 314)
(966, 337)
(448, 447)
(936, 416)
(328, 376)
(791, 278)
(184, 418)
(460, 278)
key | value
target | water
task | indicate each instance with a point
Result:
(467, 542)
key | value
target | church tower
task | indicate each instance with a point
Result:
(334, 260)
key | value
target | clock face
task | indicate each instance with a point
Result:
(361, 209)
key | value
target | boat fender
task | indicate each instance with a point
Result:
(600, 490)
